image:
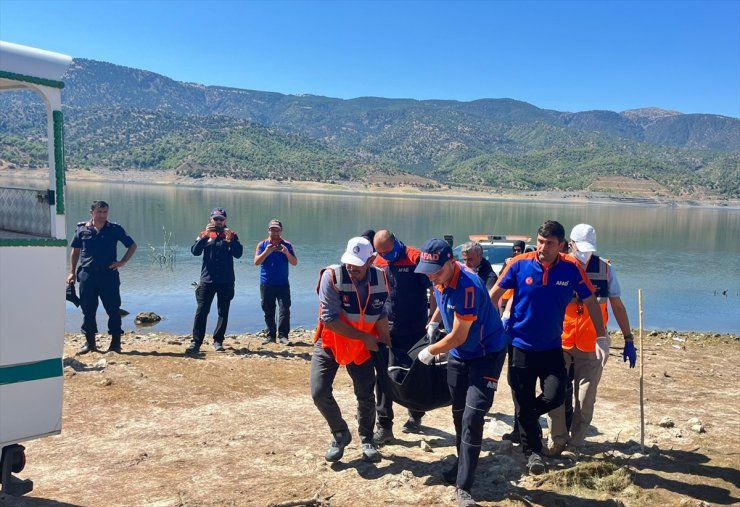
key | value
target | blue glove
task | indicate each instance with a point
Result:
(630, 353)
(505, 323)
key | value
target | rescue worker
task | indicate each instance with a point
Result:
(476, 349)
(352, 320)
(273, 255)
(407, 309)
(584, 354)
(472, 257)
(544, 282)
(219, 246)
(94, 247)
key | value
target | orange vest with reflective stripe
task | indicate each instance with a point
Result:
(361, 315)
(578, 330)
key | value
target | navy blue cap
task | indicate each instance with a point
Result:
(434, 254)
(218, 212)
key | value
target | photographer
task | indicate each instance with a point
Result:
(219, 246)
(273, 255)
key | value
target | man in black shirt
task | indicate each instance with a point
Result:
(94, 246)
(472, 257)
(219, 246)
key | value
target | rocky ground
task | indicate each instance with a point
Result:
(151, 427)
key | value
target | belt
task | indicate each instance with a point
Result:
(96, 268)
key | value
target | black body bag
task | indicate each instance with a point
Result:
(415, 385)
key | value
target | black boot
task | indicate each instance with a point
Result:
(115, 343)
(89, 345)
(194, 348)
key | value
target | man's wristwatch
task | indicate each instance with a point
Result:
(629, 338)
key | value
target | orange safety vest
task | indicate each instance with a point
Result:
(578, 330)
(362, 317)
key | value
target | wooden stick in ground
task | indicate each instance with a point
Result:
(642, 369)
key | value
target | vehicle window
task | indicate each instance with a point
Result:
(496, 254)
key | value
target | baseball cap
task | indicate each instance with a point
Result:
(434, 254)
(218, 212)
(358, 251)
(275, 223)
(584, 236)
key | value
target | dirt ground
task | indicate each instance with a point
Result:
(151, 427)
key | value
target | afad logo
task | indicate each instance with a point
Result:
(430, 257)
(529, 280)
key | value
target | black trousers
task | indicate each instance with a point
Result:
(384, 400)
(104, 284)
(472, 384)
(270, 295)
(204, 295)
(527, 367)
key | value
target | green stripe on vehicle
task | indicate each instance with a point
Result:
(28, 372)
(31, 79)
(59, 159)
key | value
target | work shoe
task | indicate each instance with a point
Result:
(514, 437)
(370, 453)
(464, 499)
(283, 340)
(412, 425)
(115, 344)
(383, 436)
(553, 450)
(218, 346)
(87, 348)
(571, 453)
(336, 448)
(193, 349)
(450, 474)
(535, 464)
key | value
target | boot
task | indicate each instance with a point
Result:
(89, 345)
(115, 343)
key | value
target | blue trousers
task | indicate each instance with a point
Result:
(105, 285)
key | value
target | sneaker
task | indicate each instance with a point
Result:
(114, 348)
(514, 437)
(383, 436)
(283, 340)
(218, 346)
(268, 339)
(464, 499)
(87, 348)
(535, 464)
(413, 425)
(450, 475)
(370, 453)
(553, 450)
(336, 448)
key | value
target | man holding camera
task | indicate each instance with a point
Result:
(219, 246)
(273, 255)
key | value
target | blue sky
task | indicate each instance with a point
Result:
(569, 56)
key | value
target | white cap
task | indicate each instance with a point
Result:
(584, 236)
(359, 250)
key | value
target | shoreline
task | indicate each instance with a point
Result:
(402, 191)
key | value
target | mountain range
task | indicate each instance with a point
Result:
(124, 118)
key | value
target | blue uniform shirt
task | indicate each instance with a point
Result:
(540, 297)
(466, 297)
(274, 270)
(98, 248)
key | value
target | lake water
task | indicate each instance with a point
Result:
(686, 260)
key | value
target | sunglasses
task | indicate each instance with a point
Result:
(218, 219)
(517, 250)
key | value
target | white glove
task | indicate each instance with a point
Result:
(425, 356)
(602, 349)
(431, 329)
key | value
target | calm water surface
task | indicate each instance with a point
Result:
(687, 261)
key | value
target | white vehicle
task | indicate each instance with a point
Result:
(496, 247)
(33, 258)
